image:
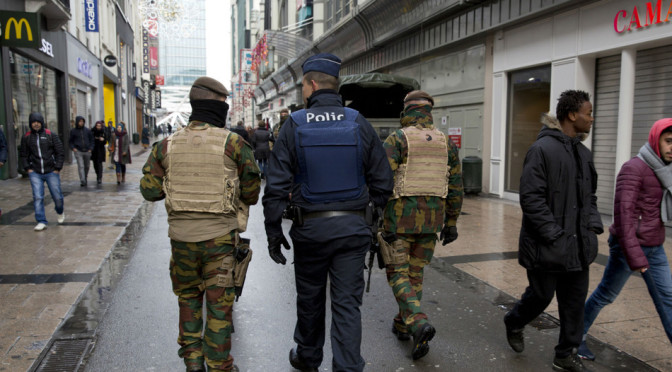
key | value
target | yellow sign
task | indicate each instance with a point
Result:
(20, 29)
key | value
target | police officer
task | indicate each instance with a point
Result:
(205, 216)
(427, 199)
(330, 159)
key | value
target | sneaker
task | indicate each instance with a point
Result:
(584, 352)
(421, 339)
(61, 217)
(40, 226)
(570, 363)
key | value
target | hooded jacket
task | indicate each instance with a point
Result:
(637, 201)
(557, 196)
(41, 151)
(81, 138)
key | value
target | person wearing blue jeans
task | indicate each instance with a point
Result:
(642, 203)
(41, 156)
(53, 180)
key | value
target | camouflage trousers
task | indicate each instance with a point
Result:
(188, 272)
(406, 280)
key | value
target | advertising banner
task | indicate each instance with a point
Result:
(91, 16)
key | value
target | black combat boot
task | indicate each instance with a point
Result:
(296, 362)
(421, 339)
(401, 335)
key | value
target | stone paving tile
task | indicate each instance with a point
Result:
(30, 313)
(492, 226)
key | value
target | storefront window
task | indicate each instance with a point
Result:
(33, 90)
(529, 98)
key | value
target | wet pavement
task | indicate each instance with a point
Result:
(44, 274)
(83, 291)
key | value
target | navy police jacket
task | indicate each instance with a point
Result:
(287, 173)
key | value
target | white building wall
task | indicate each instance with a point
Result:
(569, 41)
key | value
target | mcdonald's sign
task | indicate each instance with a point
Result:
(20, 29)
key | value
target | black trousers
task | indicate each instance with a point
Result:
(342, 262)
(570, 288)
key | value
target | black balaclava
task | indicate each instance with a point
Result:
(210, 111)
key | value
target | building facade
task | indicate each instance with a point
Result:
(80, 66)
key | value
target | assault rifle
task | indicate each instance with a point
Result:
(376, 223)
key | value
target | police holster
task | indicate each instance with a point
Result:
(294, 213)
(391, 248)
(242, 254)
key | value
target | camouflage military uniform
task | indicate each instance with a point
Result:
(416, 220)
(189, 264)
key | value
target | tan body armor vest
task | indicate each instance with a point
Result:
(426, 170)
(199, 176)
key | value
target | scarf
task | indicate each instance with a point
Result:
(417, 115)
(209, 111)
(664, 173)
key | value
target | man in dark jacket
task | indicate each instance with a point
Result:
(642, 203)
(260, 143)
(330, 160)
(240, 130)
(81, 143)
(3, 153)
(560, 222)
(41, 156)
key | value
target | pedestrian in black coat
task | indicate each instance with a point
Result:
(260, 143)
(560, 222)
(98, 156)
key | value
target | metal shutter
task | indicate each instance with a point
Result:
(653, 92)
(605, 111)
(81, 105)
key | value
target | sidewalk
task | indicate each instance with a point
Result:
(43, 274)
(487, 249)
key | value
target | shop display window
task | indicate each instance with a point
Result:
(33, 90)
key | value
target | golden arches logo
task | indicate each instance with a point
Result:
(18, 27)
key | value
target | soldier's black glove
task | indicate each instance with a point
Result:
(274, 244)
(448, 234)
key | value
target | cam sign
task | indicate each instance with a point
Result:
(651, 13)
(91, 12)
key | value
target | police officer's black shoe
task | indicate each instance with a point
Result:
(296, 362)
(401, 336)
(421, 339)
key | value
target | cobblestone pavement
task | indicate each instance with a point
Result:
(42, 274)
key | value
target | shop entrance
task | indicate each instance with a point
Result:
(529, 98)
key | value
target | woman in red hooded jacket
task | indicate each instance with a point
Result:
(643, 201)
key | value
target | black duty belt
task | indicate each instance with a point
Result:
(325, 214)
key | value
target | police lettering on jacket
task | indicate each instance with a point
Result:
(312, 117)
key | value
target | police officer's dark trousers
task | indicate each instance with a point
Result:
(342, 260)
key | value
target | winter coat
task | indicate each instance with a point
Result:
(98, 154)
(125, 147)
(557, 196)
(637, 219)
(48, 157)
(3, 148)
(81, 137)
(260, 140)
(145, 136)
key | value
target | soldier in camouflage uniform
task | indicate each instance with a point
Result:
(284, 115)
(205, 216)
(427, 199)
